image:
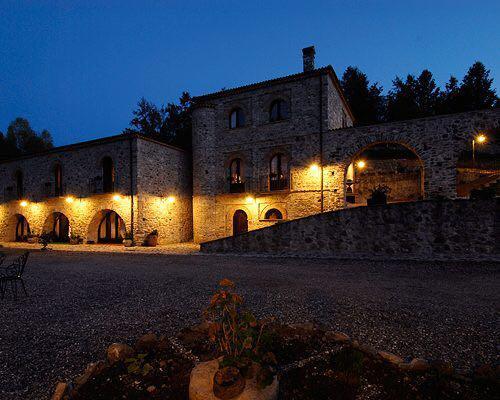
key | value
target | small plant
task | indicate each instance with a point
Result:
(138, 365)
(151, 239)
(237, 335)
(379, 195)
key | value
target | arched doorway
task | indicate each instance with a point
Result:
(57, 226)
(22, 229)
(111, 228)
(273, 214)
(240, 222)
(390, 167)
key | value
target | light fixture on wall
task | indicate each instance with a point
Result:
(481, 138)
(314, 167)
(250, 200)
(23, 203)
(117, 197)
(70, 199)
(361, 164)
(171, 199)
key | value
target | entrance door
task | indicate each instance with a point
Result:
(22, 229)
(60, 228)
(240, 222)
(110, 228)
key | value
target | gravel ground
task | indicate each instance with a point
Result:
(79, 303)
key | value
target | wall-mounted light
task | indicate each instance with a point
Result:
(481, 138)
(171, 199)
(70, 199)
(117, 197)
(250, 200)
(314, 167)
(361, 164)
(23, 203)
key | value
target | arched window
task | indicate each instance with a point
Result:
(278, 110)
(19, 185)
(108, 175)
(278, 179)
(236, 180)
(274, 214)
(236, 118)
(58, 183)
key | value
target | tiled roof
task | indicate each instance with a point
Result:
(284, 79)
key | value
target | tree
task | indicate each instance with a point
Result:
(449, 101)
(366, 101)
(476, 92)
(170, 124)
(22, 139)
(413, 98)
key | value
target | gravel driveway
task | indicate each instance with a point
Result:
(81, 302)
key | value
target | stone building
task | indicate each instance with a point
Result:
(99, 190)
(285, 149)
(276, 150)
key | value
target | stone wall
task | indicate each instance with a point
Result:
(424, 230)
(165, 194)
(312, 97)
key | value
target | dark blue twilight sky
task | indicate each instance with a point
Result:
(77, 68)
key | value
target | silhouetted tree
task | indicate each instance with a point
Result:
(476, 91)
(413, 98)
(366, 101)
(170, 124)
(22, 139)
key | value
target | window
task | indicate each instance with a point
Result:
(278, 173)
(274, 214)
(236, 183)
(278, 110)
(58, 186)
(108, 175)
(19, 185)
(236, 118)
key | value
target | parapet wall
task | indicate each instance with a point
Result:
(449, 229)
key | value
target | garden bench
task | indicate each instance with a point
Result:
(13, 274)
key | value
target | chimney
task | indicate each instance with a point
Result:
(308, 58)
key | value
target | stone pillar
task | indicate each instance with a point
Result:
(204, 173)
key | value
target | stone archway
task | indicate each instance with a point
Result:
(58, 227)
(107, 226)
(393, 166)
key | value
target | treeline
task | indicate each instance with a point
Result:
(417, 96)
(22, 139)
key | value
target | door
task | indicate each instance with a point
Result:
(22, 229)
(240, 222)
(61, 228)
(110, 228)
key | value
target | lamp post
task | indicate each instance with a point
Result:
(479, 139)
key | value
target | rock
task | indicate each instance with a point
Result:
(391, 358)
(443, 367)
(202, 378)
(146, 342)
(415, 365)
(119, 352)
(337, 336)
(368, 350)
(92, 370)
(60, 391)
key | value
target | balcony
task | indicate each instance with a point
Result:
(237, 187)
(280, 183)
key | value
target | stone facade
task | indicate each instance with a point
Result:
(450, 229)
(151, 171)
(318, 144)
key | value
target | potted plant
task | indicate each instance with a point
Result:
(151, 239)
(242, 363)
(74, 239)
(378, 195)
(129, 240)
(32, 237)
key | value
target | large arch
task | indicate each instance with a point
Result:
(17, 228)
(394, 165)
(107, 226)
(58, 227)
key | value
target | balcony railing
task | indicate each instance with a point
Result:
(278, 184)
(237, 187)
